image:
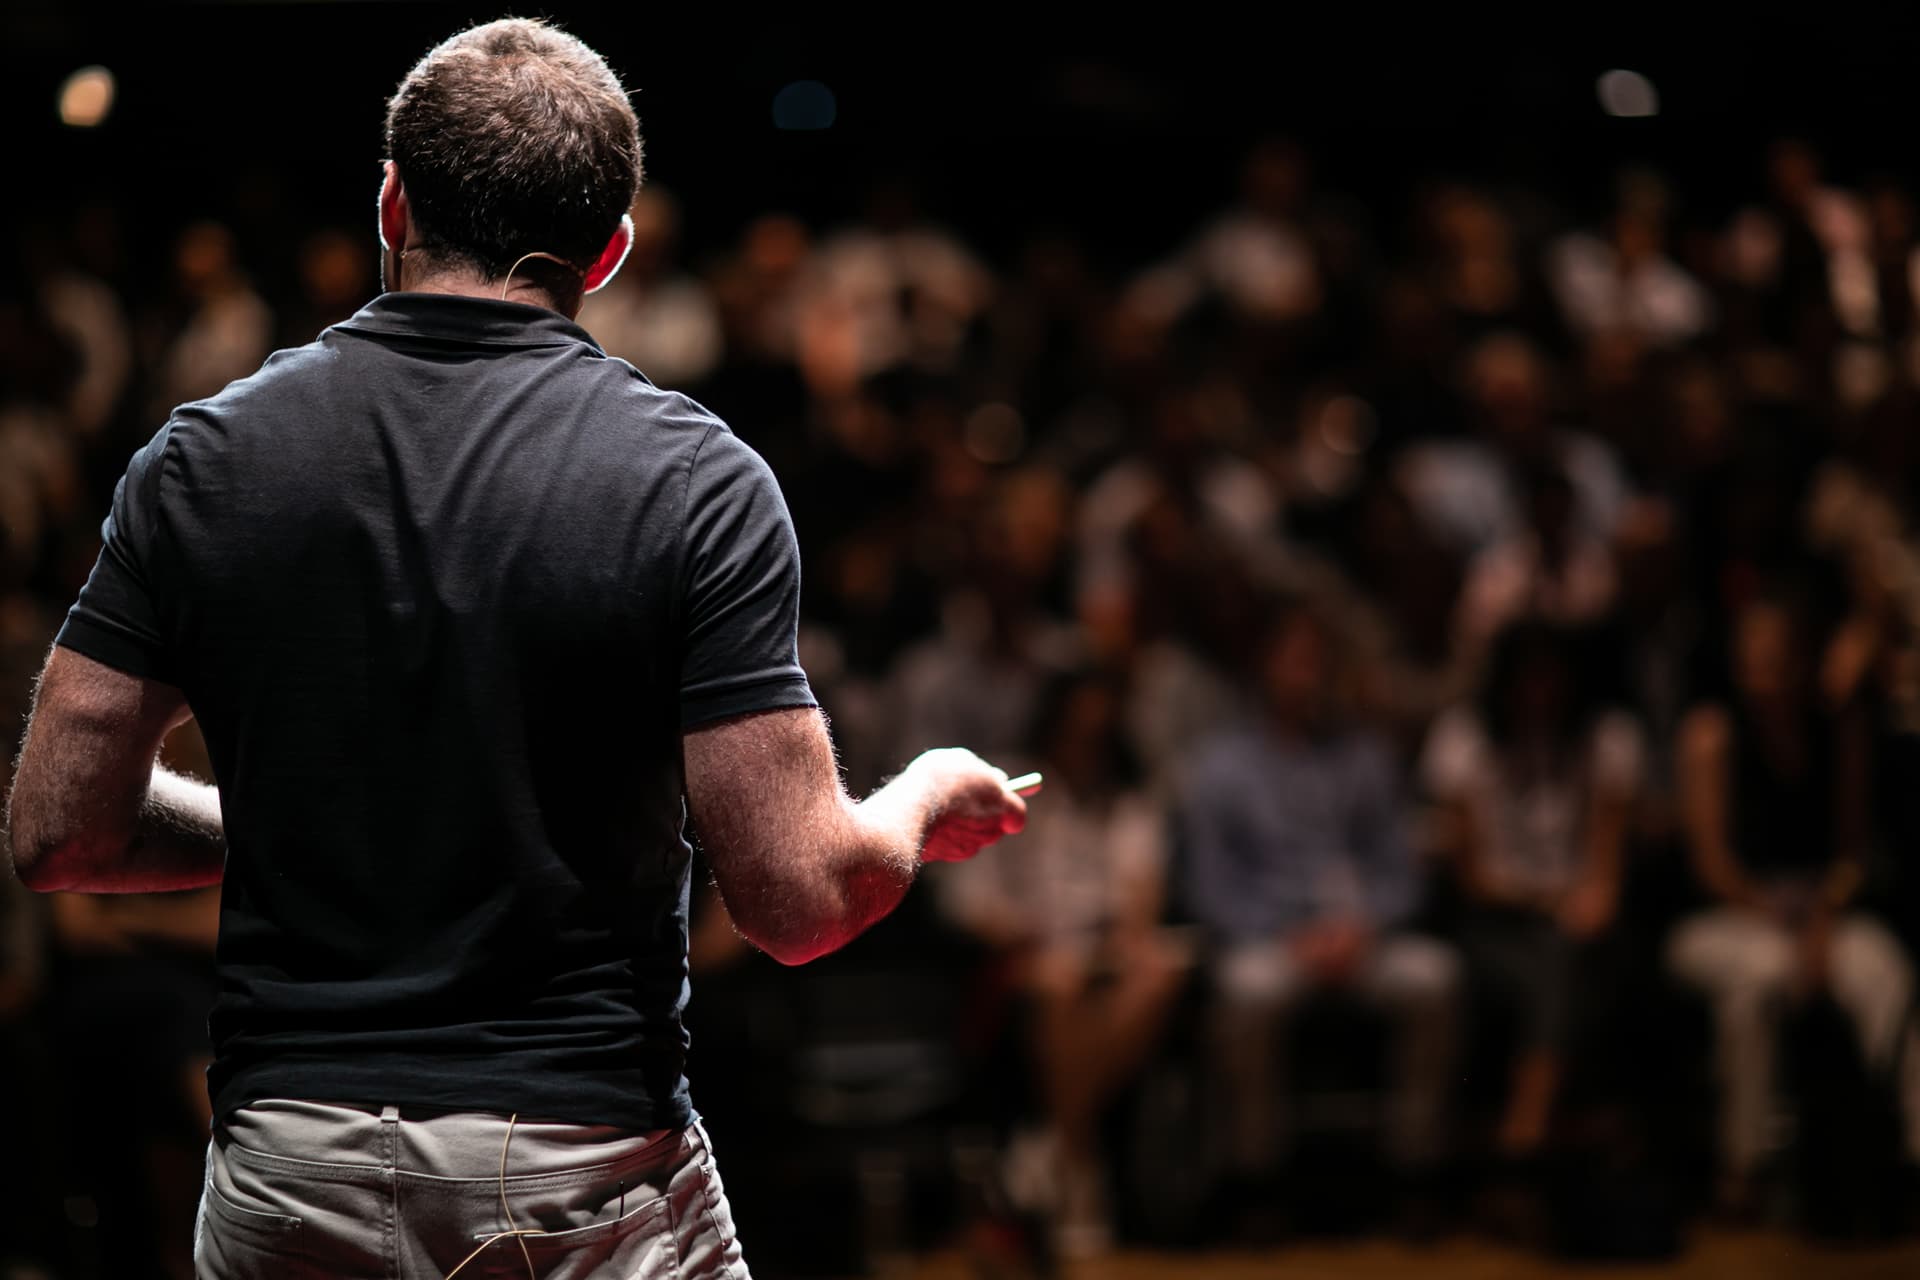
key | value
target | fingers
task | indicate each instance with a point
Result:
(958, 841)
(981, 804)
(981, 819)
(1004, 807)
(1013, 805)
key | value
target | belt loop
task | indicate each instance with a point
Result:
(390, 1134)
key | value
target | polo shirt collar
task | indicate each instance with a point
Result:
(468, 320)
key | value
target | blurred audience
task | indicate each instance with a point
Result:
(1623, 286)
(1293, 834)
(1536, 787)
(1596, 517)
(1774, 789)
(650, 315)
(221, 329)
(1074, 911)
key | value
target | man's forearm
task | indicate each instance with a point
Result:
(180, 837)
(802, 867)
(175, 841)
(864, 870)
(879, 865)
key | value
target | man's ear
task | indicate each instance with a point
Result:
(396, 218)
(611, 257)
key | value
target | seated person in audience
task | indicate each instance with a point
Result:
(1296, 860)
(33, 1177)
(134, 985)
(1074, 905)
(1535, 787)
(1773, 805)
(1549, 567)
(131, 985)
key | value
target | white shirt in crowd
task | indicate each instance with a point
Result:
(1529, 813)
(1074, 870)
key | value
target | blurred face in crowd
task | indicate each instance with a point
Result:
(1508, 383)
(1296, 671)
(1702, 415)
(1055, 269)
(1027, 522)
(1767, 662)
(1891, 213)
(1275, 178)
(863, 571)
(1795, 172)
(1637, 237)
(1108, 616)
(1082, 739)
(656, 222)
(334, 270)
(203, 258)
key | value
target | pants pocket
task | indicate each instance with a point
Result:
(638, 1244)
(703, 1222)
(239, 1234)
(239, 1197)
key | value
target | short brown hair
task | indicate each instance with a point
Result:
(514, 138)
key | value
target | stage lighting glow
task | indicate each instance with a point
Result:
(86, 97)
(804, 104)
(1628, 94)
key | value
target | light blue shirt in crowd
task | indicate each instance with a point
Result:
(1276, 832)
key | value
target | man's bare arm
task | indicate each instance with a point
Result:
(1704, 776)
(803, 868)
(90, 810)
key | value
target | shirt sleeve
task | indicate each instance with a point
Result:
(119, 619)
(742, 588)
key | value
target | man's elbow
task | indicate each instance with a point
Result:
(794, 954)
(791, 947)
(47, 859)
(794, 938)
(41, 865)
(796, 918)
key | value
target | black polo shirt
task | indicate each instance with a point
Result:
(443, 589)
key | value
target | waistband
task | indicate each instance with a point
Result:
(444, 1144)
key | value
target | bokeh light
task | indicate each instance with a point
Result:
(86, 98)
(1627, 94)
(804, 105)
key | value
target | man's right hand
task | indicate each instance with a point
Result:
(802, 868)
(970, 804)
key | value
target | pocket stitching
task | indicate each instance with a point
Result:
(709, 1172)
(627, 1224)
(241, 1216)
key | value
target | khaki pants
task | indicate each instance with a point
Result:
(1414, 981)
(1745, 965)
(297, 1189)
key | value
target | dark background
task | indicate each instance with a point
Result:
(1005, 129)
(1123, 130)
